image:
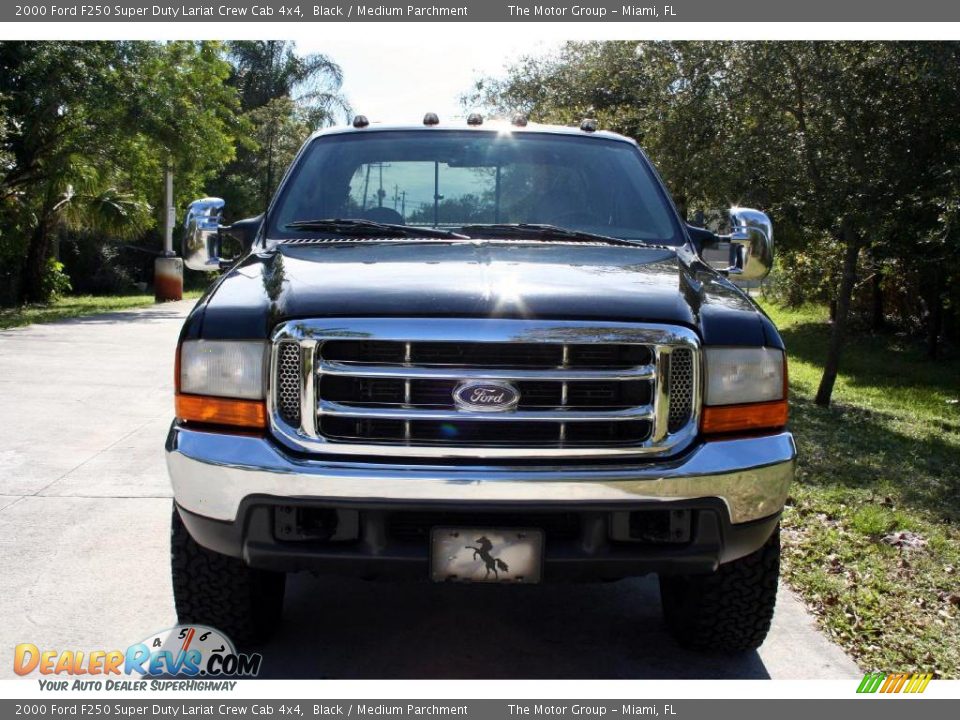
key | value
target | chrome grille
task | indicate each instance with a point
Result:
(681, 388)
(386, 387)
(288, 382)
(534, 394)
(493, 355)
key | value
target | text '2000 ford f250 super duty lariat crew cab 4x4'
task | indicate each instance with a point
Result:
(479, 353)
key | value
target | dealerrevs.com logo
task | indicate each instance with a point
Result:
(184, 651)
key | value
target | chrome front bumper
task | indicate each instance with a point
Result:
(212, 473)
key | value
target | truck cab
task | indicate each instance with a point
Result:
(483, 353)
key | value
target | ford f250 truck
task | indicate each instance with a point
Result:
(479, 352)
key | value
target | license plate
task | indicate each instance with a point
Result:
(486, 555)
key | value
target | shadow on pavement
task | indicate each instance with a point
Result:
(345, 629)
(139, 315)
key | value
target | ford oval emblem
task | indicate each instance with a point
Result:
(485, 396)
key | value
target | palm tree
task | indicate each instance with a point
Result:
(266, 70)
(269, 72)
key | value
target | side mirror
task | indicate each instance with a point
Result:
(201, 239)
(752, 239)
(746, 253)
(204, 236)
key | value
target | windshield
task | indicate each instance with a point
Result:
(446, 179)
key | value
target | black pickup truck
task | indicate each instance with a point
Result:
(479, 352)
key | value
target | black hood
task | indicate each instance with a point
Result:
(438, 278)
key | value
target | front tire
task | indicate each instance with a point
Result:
(727, 611)
(220, 591)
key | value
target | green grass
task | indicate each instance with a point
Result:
(884, 458)
(75, 306)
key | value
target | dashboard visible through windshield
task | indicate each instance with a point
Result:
(453, 179)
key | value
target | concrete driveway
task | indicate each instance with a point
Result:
(84, 519)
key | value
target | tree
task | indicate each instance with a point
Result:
(274, 133)
(865, 151)
(670, 96)
(265, 70)
(91, 145)
(283, 97)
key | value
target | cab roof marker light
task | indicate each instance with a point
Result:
(474, 119)
(360, 121)
(588, 125)
(431, 119)
(520, 120)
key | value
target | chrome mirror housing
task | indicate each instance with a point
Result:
(201, 239)
(752, 239)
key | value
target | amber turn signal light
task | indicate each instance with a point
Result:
(221, 411)
(744, 418)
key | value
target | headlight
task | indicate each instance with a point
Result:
(738, 375)
(223, 368)
(745, 390)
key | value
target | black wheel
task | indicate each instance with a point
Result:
(220, 591)
(729, 610)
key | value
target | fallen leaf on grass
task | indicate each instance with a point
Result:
(904, 539)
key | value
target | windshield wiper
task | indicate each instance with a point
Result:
(370, 229)
(539, 231)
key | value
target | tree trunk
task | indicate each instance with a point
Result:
(949, 330)
(935, 316)
(34, 268)
(878, 320)
(838, 331)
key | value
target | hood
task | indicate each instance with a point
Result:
(481, 278)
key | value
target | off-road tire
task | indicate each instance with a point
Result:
(727, 611)
(220, 591)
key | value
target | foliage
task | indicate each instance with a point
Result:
(99, 266)
(283, 97)
(55, 282)
(83, 158)
(464, 209)
(806, 275)
(884, 459)
(275, 132)
(265, 70)
(88, 150)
